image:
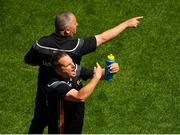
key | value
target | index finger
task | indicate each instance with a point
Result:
(139, 17)
(97, 64)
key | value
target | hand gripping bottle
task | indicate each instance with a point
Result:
(110, 60)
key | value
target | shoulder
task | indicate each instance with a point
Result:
(60, 87)
(45, 39)
(54, 83)
(92, 38)
(58, 43)
(88, 45)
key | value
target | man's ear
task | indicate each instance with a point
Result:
(67, 31)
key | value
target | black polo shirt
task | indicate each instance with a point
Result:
(62, 86)
(42, 51)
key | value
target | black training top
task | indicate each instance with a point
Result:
(62, 86)
(41, 52)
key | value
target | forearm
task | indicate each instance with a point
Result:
(87, 90)
(111, 33)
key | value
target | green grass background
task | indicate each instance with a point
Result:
(143, 98)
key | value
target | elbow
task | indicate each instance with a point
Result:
(100, 39)
(26, 61)
(103, 39)
(81, 99)
(75, 99)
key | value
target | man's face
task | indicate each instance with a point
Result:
(67, 67)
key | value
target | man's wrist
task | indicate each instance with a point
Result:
(96, 78)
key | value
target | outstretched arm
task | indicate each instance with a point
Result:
(113, 32)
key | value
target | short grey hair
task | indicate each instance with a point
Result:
(62, 20)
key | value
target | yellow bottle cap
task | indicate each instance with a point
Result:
(110, 57)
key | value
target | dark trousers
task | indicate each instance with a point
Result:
(40, 119)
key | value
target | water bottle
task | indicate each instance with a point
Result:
(110, 60)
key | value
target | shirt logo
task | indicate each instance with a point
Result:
(69, 84)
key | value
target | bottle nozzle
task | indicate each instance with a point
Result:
(110, 57)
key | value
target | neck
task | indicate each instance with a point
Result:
(63, 33)
(62, 75)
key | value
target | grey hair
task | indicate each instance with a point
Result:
(62, 20)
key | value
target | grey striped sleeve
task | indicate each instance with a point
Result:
(55, 84)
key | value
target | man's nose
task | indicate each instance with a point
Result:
(72, 65)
